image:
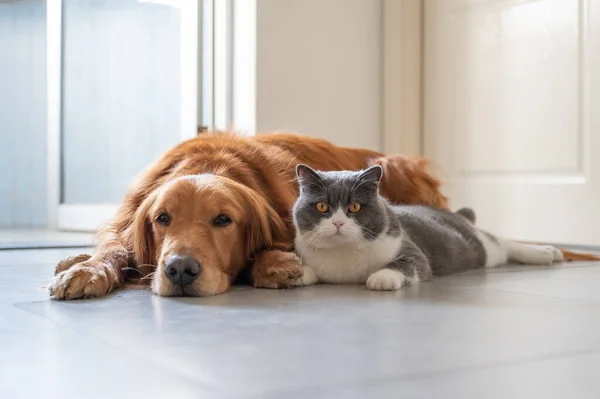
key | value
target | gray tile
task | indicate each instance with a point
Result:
(567, 376)
(317, 336)
(41, 359)
(575, 281)
(449, 338)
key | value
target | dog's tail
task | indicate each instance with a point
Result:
(571, 256)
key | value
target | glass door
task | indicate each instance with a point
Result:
(123, 86)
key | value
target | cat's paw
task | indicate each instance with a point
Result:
(386, 280)
(546, 255)
(558, 255)
(309, 277)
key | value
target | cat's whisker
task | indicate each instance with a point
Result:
(356, 242)
(312, 238)
(318, 238)
(318, 244)
(302, 253)
(371, 235)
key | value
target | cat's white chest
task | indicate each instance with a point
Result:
(351, 263)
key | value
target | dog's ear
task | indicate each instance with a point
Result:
(407, 181)
(264, 228)
(142, 233)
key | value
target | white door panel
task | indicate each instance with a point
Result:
(510, 89)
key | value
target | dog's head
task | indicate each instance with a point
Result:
(200, 231)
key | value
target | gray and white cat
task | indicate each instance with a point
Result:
(347, 233)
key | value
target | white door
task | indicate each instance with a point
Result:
(512, 93)
(122, 88)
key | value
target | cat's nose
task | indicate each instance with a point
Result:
(337, 223)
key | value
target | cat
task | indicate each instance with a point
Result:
(347, 233)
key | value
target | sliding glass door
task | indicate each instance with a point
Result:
(123, 87)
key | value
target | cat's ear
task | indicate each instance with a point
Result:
(306, 174)
(373, 173)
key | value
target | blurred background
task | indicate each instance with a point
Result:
(501, 96)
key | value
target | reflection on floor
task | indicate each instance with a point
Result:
(511, 332)
(28, 239)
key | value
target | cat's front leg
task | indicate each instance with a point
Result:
(386, 280)
(392, 277)
(410, 267)
(309, 275)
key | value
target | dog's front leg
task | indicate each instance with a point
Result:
(275, 269)
(86, 277)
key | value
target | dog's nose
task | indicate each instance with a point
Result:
(182, 270)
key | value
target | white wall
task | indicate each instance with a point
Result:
(319, 69)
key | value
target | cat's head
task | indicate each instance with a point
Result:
(338, 208)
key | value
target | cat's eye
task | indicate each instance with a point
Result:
(322, 207)
(355, 207)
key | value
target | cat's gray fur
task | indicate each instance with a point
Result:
(417, 241)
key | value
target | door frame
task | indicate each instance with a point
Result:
(198, 61)
(402, 82)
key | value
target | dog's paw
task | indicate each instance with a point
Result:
(67, 262)
(386, 280)
(84, 280)
(276, 269)
(309, 277)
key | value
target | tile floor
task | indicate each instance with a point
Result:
(511, 332)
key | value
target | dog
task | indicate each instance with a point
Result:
(217, 207)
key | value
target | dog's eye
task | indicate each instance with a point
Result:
(222, 220)
(164, 219)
